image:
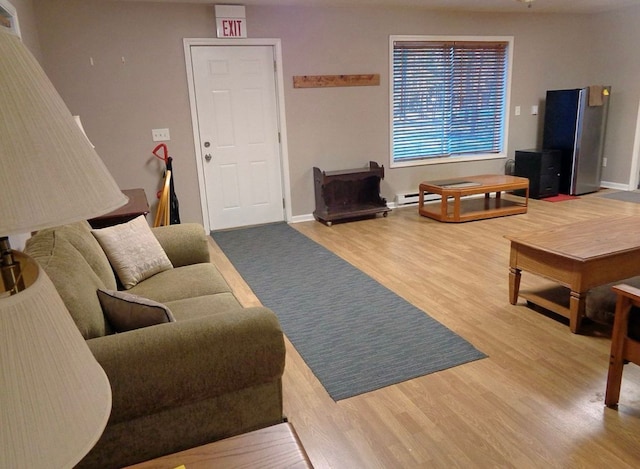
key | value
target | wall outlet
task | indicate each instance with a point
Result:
(160, 135)
(604, 162)
(534, 110)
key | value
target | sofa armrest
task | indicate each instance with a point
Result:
(174, 364)
(185, 244)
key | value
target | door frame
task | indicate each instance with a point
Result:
(284, 153)
(634, 177)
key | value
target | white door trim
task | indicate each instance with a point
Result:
(635, 157)
(284, 153)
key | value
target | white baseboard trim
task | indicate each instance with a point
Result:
(301, 218)
(616, 185)
(391, 205)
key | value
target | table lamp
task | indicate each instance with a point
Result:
(55, 399)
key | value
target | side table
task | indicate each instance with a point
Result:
(276, 446)
(136, 206)
(542, 168)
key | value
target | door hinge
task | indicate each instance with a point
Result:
(283, 204)
(275, 66)
(279, 140)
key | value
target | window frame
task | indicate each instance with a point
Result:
(9, 13)
(454, 158)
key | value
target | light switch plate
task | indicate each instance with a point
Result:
(160, 135)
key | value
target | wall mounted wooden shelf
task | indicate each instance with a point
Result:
(326, 81)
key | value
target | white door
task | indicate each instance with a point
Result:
(237, 114)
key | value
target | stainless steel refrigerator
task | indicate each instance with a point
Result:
(574, 123)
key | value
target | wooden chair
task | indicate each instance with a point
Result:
(162, 212)
(624, 348)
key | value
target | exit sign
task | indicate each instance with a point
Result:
(231, 27)
(231, 21)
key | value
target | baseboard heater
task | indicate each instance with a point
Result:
(411, 198)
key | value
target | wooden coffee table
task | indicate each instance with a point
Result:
(579, 256)
(275, 446)
(474, 208)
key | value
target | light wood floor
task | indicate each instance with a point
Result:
(536, 401)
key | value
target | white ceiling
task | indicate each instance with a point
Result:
(504, 6)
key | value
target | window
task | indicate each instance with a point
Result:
(449, 98)
(9, 17)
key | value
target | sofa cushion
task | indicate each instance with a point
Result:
(74, 279)
(133, 251)
(127, 312)
(79, 235)
(200, 306)
(182, 282)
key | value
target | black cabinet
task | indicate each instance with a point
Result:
(350, 193)
(542, 168)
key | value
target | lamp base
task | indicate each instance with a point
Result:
(10, 268)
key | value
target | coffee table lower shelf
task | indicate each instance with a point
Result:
(474, 209)
(554, 299)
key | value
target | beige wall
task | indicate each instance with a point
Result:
(29, 34)
(27, 22)
(336, 128)
(618, 62)
(331, 128)
(120, 103)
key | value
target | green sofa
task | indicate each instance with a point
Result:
(213, 373)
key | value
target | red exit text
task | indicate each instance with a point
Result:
(232, 28)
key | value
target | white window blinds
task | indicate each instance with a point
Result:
(448, 98)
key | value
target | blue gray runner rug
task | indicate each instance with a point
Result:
(355, 334)
(625, 196)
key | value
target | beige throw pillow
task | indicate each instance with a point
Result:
(133, 251)
(126, 312)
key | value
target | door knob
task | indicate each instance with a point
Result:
(207, 157)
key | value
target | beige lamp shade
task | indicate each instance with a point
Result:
(55, 398)
(49, 173)
(79, 122)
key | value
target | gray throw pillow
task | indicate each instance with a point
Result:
(126, 312)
